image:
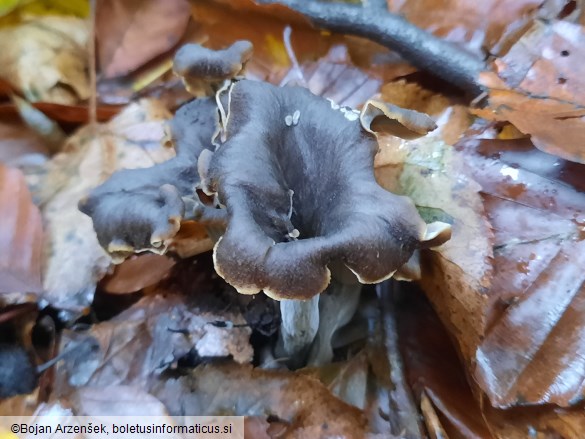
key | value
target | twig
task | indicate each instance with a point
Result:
(92, 67)
(425, 51)
(404, 413)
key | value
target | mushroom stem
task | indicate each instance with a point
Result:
(337, 306)
(300, 322)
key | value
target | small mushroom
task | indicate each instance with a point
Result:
(204, 71)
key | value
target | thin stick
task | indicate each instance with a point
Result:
(425, 51)
(404, 413)
(92, 68)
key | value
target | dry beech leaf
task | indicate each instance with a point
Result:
(335, 77)
(136, 346)
(540, 88)
(219, 25)
(73, 259)
(488, 24)
(21, 235)
(533, 350)
(327, 66)
(131, 33)
(304, 405)
(137, 272)
(46, 59)
(433, 368)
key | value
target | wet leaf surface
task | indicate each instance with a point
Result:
(539, 88)
(301, 403)
(137, 346)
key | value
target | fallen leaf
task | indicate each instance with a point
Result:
(131, 33)
(435, 177)
(45, 58)
(305, 407)
(487, 25)
(539, 87)
(20, 145)
(76, 114)
(73, 258)
(536, 205)
(137, 272)
(51, 133)
(115, 400)
(150, 337)
(21, 235)
(435, 370)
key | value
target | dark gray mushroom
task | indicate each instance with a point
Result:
(141, 209)
(296, 176)
(204, 71)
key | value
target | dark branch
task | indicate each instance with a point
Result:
(425, 51)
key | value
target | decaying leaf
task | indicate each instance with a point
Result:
(532, 352)
(136, 346)
(540, 88)
(21, 235)
(305, 407)
(138, 272)
(74, 260)
(131, 33)
(434, 370)
(486, 25)
(434, 175)
(46, 59)
(19, 145)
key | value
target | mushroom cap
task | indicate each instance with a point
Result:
(297, 178)
(203, 69)
(141, 209)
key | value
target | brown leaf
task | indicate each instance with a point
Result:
(302, 403)
(136, 346)
(137, 272)
(74, 260)
(479, 25)
(131, 33)
(19, 143)
(21, 235)
(540, 88)
(535, 300)
(434, 369)
(434, 175)
(46, 59)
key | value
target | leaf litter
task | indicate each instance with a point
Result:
(506, 287)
